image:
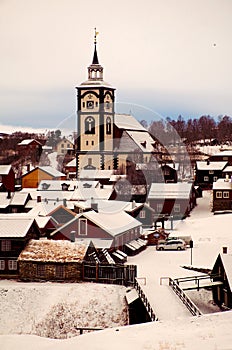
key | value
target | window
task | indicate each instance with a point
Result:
(2, 264)
(107, 105)
(226, 194)
(87, 142)
(83, 104)
(108, 126)
(12, 265)
(92, 143)
(62, 145)
(96, 104)
(225, 158)
(176, 208)
(215, 178)
(60, 271)
(219, 194)
(6, 245)
(40, 270)
(142, 214)
(89, 161)
(211, 172)
(82, 227)
(89, 125)
(159, 207)
(206, 178)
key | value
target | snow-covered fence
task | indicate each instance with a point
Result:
(145, 301)
(111, 274)
(184, 298)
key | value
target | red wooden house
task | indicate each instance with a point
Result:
(7, 178)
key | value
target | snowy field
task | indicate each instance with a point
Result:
(176, 330)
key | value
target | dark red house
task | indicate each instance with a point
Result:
(7, 178)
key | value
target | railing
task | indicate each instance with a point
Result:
(196, 279)
(145, 301)
(82, 329)
(184, 298)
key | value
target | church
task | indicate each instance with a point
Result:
(107, 140)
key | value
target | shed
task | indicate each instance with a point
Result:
(54, 260)
(222, 271)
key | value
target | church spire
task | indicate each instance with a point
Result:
(95, 57)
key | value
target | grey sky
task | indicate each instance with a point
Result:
(173, 56)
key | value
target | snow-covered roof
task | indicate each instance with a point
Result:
(222, 184)
(113, 223)
(143, 140)
(85, 193)
(127, 122)
(179, 190)
(72, 163)
(95, 174)
(222, 153)
(12, 226)
(227, 263)
(56, 185)
(50, 170)
(19, 198)
(27, 142)
(5, 169)
(210, 165)
(227, 169)
(54, 251)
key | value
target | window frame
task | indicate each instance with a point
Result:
(226, 194)
(218, 194)
(2, 265)
(84, 220)
(12, 265)
(6, 245)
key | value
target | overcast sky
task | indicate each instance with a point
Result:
(171, 56)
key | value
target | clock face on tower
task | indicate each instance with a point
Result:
(90, 104)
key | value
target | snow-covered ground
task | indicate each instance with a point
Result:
(177, 329)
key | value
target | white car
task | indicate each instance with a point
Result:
(175, 244)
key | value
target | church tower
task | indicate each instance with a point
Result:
(95, 119)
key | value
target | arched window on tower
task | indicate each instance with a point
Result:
(89, 125)
(108, 126)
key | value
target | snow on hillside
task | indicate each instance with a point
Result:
(53, 309)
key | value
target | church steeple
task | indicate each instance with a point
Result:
(95, 70)
(95, 57)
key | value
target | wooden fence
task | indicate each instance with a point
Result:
(111, 274)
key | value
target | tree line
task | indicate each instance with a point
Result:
(205, 128)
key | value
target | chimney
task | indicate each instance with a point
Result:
(207, 161)
(28, 167)
(224, 250)
(8, 194)
(94, 205)
(65, 202)
(38, 199)
(227, 178)
(72, 236)
(133, 204)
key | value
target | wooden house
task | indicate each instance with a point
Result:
(7, 178)
(15, 232)
(32, 178)
(14, 202)
(64, 146)
(54, 260)
(169, 172)
(222, 195)
(222, 156)
(105, 230)
(172, 199)
(30, 147)
(207, 172)
(222, 272)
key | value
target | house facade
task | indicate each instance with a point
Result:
(32, 178)
(54, 260)
(65, 146)
(15, 232)
(110, 230)
(172, 199)
(222, 195)
(7, 178)
(222, 272)
(208, 172)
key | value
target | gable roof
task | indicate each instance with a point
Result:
(226, 260)
(211, 165)
(27, 142)
(54, 251)
(127, 122)
(222, 184)
(179, 190)
(14, 226)
(5, 169)
(16, 198)
(47, 169)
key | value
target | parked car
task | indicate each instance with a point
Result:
(175, 244)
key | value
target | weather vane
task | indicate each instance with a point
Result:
(95, 36)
